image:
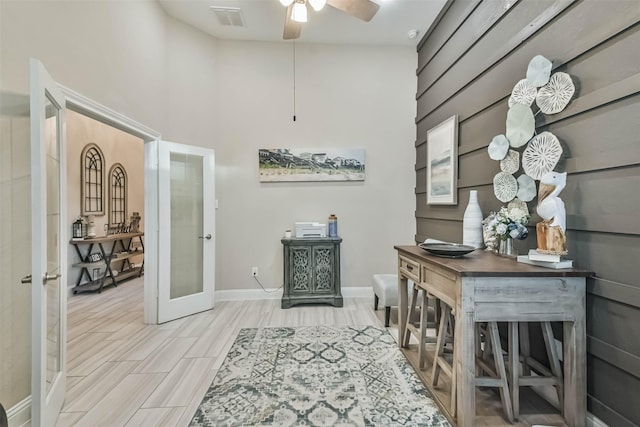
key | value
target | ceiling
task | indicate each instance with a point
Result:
(264, 21)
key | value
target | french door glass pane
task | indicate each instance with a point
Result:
(187, 216)
(52, 288)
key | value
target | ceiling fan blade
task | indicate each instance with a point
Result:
(362, 9)
(291, 28)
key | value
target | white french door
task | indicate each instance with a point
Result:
(186, 224)
(48, 247)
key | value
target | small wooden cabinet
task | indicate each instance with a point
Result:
(311, 271)
(111, 257)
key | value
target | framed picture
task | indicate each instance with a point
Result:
(442, 163)
(311, 164)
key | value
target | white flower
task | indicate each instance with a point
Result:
(514, 233)
(501, 228)
(517, 215)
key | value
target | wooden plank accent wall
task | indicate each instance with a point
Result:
(468, 62)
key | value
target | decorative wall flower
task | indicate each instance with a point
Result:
(541, 155)
(555, 95)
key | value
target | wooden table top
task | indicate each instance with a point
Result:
(481, 263)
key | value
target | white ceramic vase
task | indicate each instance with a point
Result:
(472, 222)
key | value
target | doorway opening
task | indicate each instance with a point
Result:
(87, 109)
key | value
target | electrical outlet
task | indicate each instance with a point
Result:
(254, 271)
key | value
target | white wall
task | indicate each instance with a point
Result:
(346, 96)
(236, 97)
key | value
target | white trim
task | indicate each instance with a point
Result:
(86, 106)
(593, 421)
(90, 108)
(20, 413)
(259, 294)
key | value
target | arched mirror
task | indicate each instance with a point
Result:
(117, 195)
(92, 194)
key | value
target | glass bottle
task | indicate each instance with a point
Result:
(333, 226)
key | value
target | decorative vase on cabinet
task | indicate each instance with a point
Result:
(472, 222)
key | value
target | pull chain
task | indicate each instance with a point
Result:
(294, 80)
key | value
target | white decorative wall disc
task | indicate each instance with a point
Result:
(523, 93)
(538, 71)
(541, 155)
(526, 188)
(520, 125)
(505, 187)
(498, 147)
(511, 163)
(555, 95)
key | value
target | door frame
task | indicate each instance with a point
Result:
(90, 108)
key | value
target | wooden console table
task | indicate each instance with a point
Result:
(311, 271)
(486, 287)
(120, 250)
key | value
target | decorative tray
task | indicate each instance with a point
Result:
(450, 250)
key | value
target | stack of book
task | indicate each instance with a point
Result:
(545, 260)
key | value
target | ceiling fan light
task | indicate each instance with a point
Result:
(317, 4)
(286, 3)
(299, 12)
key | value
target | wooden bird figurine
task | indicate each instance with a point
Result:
(551, 231)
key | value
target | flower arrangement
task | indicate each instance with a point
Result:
(509, 223)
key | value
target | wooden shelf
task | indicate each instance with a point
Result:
(108, 247)
(90, 264)
(122, 257)
(132, 272)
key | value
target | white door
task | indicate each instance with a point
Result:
(48, 206)
(186, 224)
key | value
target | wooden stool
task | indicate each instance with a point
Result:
(497, 373)
(545, 376)
(425, 321)
(440, 364)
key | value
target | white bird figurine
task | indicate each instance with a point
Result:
(550, 206)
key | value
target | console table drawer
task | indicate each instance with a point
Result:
(440, 283)
(410, 268)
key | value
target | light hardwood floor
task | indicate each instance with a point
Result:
(122, 372)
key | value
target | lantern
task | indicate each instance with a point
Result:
(76, 229)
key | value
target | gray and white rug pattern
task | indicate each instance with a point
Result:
(317, 376)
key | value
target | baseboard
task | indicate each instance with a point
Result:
(247, 294)
(276, 293)
(20, 414)
(593, 421)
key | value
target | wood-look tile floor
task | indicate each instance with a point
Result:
(122, 372)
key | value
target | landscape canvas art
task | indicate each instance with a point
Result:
(311, 164)
(442, 159)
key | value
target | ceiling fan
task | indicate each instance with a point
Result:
(297, 12)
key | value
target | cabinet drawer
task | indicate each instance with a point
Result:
(410, 268)
(440, 283)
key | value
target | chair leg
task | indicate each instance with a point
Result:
(554, 361)
(514, 368)
(387, 315)
(410, 315)
(505, 396)
(523, 327)
(439, 352)
(375, 302)
(422, 356)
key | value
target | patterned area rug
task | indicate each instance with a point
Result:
(317, 376)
